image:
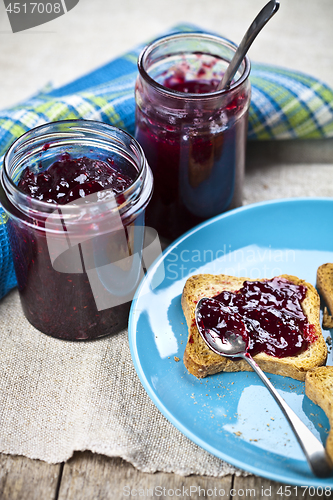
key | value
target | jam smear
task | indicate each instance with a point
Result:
(272, 313)
(69, 179)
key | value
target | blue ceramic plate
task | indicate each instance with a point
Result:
(232, 415)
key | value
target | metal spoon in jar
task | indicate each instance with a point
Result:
(232, 340)
(262, 18)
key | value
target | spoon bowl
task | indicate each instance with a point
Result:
(227, 336)
(233, 343)
(230, 347)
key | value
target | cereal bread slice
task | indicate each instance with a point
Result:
(325, 287)
(319, 388)
(202, 361)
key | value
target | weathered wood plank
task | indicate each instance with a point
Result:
(94, 477)
(260, 489)
(87, 476)
(24, 479)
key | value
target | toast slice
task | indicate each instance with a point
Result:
(325, 287)
(319, 388)
(201, 361)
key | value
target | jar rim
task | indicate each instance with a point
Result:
(80, 125)
(176, 93)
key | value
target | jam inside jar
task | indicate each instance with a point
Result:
(76, 192)
(194, 137)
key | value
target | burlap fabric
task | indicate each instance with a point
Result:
(57, 397)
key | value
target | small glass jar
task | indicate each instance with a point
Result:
(194, 137)
(77, 264)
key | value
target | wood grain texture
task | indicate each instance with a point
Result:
(87, 476)
(24, 479)
(260, 489)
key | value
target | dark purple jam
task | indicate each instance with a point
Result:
(271, 313)
(69, 179)
(61, 304)
(196, 178)
(180, 84)
(220, 321)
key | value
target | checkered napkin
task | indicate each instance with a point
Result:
(285, 105)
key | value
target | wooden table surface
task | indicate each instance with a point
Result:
(87, 476)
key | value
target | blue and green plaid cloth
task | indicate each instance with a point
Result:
(285, 104)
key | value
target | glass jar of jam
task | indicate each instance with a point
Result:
(75, 193)
(194, 137)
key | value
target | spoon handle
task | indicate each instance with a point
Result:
(313, 449)
(262, 18)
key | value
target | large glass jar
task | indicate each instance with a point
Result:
(77, 264)
(194, 137)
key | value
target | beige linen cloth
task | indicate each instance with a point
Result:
(57, 396)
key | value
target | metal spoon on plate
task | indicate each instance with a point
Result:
(233, 341)
(262, 18)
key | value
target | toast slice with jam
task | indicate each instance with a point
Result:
(201, 361)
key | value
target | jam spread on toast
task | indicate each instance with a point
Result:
(271, 312)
